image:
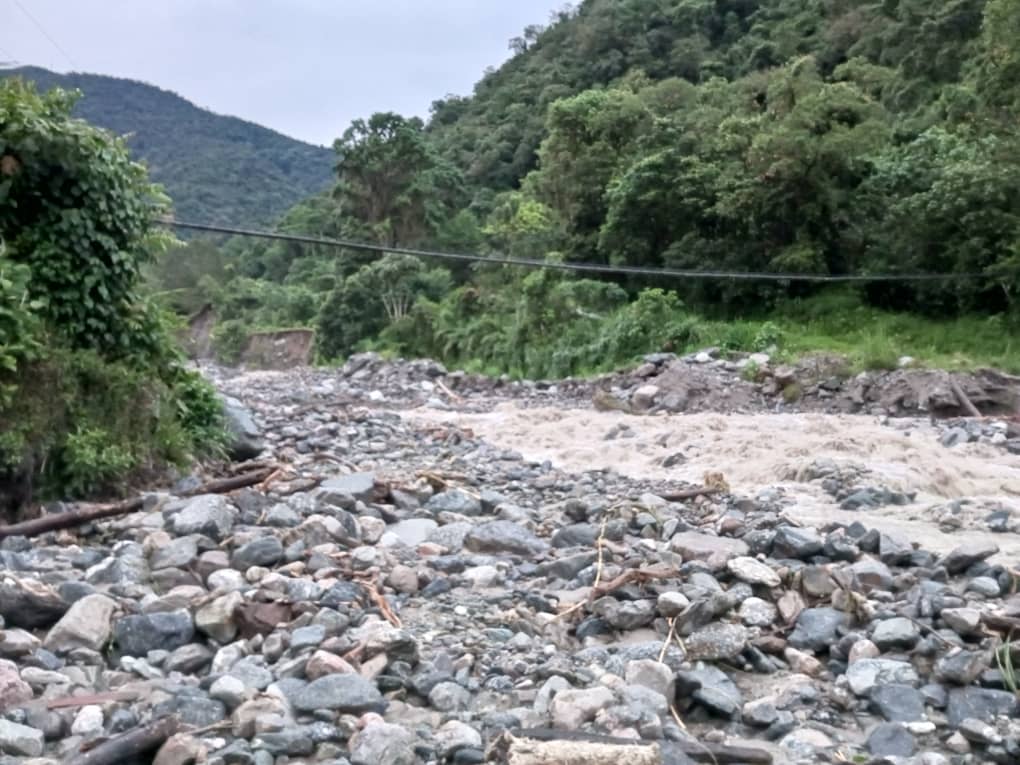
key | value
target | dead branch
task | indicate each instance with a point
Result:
(125, 747)
(699, 491)
(90, 513)
(965, 403)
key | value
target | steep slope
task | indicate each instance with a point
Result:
(216, 168)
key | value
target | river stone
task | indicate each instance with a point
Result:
(694, 545)
(572, 708)
(87, 624)
(866, 674)
(891, 740)
(753, 571)
(794, 542)
(358, 485)
(716, 641)
(167, 630)
(966, 555)
(817, 628)
(504, 536)
(411, 532)
(710, 687)
(246, 442)
(897, 702)
(350, 694)
(454, 501)
(755, 612)
(13, 690)
(898, 632)
(380, 742)
(981, 704)
(961, 667)
(20, 740)
(263, 551)
(208, 514)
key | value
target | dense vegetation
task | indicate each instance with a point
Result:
(215, 168)
(829, 137)
(92, 390)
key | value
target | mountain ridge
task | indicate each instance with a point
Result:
(216, 167)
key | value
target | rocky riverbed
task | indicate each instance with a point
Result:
(439, 559)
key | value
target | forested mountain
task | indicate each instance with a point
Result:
(833, 137)
(215, 168)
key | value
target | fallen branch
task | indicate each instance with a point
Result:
(449, 393)
(699, 491)
(965, 403)
(381, 602)
(127, 746)
(88, 514)
(65, 702)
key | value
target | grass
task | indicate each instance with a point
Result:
(871, 338)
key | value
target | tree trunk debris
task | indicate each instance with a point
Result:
(90, 513)
(128, 745)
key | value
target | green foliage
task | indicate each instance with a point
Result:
(216, 168)
(78, 212)
(91, 386)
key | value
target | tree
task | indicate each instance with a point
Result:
(392, 182)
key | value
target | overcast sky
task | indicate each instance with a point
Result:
(303, 67)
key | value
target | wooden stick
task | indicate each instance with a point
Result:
(88, 514)
(965, 403)
(700, 491)
(128, 745)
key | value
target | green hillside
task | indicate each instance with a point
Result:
(828, 137)
(215, 168)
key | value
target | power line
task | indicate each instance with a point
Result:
(584, 267)
(46, 34)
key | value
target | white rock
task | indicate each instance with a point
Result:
(88, 721)
(753, 571)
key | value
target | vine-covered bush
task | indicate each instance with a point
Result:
(92, 389)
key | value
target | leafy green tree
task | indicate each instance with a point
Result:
(392, 182)
(376, 296)
(79, 212)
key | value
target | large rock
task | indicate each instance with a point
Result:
(966, 555)
(29, 604)
(504, 537)
(358, 485)
(350, 694)
(216, 619)
(20, 740)
(137, 635)
(716, 641)
(980, 704)
(693, 545)
(13, 690)
(246, 440)
(264, 551)
(710, 687)
(87, 624)
(753, 571)
(208, 514)
(817, 628)
(865, 675)
(799, 543)
(381, 742)
(454, 501)
(572, 708)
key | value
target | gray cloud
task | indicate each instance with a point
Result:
(303, 67)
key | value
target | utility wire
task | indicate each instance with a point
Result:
(585, 267)
(46, 34)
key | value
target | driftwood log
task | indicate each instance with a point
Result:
(965, 403)
(128, 745)
(88, 514)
